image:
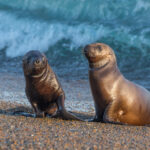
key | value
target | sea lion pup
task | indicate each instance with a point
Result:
(117, 100)
(43, 89)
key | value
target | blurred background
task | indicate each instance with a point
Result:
(61, 29)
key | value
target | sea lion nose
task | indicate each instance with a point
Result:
(37, 62)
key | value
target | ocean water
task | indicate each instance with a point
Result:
(62, 28)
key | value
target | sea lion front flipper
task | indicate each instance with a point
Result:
(37, 113)
(98, 115)
(63, 112)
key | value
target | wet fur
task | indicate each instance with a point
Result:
(43, 89)
(117, 100)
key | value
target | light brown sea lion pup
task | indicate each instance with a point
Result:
(43, 89)
(117, 100)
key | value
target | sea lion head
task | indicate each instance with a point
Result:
(99, 55)
(34, 62)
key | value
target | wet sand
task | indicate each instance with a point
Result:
(19, 132)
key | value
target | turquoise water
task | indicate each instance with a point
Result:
(63, 28)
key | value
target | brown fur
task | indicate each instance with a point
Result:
(116, 99)
(43, 89)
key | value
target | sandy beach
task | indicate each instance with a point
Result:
(61, 30)
(19, 132)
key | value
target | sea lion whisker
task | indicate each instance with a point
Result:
(38, 75)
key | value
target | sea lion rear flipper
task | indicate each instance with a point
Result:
(63, 112)
(113, 113)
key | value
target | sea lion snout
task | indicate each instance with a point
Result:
(95, 52)
(92, 50)
(99, 54)
(37, 62)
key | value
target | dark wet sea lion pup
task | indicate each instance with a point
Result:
(117, 100)
(43, 89)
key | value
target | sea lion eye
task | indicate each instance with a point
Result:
(99, 47)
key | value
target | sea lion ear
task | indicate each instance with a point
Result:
(24, 59)
(44, 57)
(86, 48)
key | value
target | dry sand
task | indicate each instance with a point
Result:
(19, 132)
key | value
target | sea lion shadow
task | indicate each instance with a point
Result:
(82, 115)
(28, 112)
(18, 111)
